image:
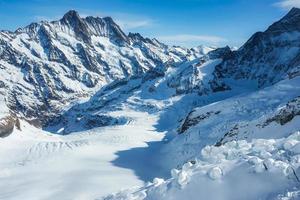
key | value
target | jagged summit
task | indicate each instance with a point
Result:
(71, 16)
(293, 12)
(109, 19)
(267, 57)
(97, 26)
(82, 28)
(73, 21)
(136, 37)
(290, 22)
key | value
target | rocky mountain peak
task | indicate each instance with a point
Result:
(73, 21)
(71, 16)
(267, 57)
(136, 37)
(109, 20)
(294, 12)
(82, 28)
(290, 22)
(105, 27)
(224, 53)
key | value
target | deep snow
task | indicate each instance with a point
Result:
(260, 169)
(38, 165)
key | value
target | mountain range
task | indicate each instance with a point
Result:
(80, 92)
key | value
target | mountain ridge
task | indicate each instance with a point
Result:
(88, 52)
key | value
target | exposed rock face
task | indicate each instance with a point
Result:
(222, 53)
(283, 116)
(267, 57)
(191, 120)
(287, 113)
(7, 125)
(289, 23)
(81, 122)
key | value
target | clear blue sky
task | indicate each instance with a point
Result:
(182, 22)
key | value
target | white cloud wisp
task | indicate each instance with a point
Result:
(192, 38)
(288, 4)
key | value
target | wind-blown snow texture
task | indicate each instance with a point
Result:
(87, 110)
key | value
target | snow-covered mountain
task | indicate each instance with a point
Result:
(267, 57)
(126, 109)
(48, 65)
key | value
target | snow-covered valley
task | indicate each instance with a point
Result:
(85, 165)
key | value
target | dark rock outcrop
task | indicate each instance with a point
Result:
(7, 125)
(287, 113)
(267, 57)
(190, 121)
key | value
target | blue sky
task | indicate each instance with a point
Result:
(182, 22)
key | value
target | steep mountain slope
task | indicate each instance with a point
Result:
(266, 58)
(48, 65)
